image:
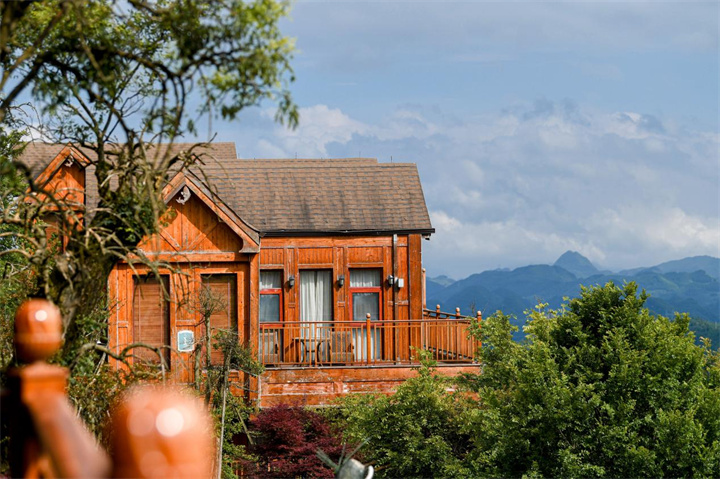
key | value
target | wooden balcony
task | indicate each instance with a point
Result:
(313, 344)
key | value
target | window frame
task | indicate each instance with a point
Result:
(365, 289)
(272, 292)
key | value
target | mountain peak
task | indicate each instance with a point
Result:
(577, 264)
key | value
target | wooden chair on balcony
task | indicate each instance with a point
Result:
(340, 347)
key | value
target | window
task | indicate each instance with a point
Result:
(365, 288)
(316, 295)
(151, 318)
(365, 293)
(270, 296)
(221, 299)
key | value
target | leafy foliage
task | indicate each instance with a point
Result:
(287, 440)
(416, 432)
(599, 388)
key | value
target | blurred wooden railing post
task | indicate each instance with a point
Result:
(47, 439)
(157, 432)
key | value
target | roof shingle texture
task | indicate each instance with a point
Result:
(334, 195)
(355, 195)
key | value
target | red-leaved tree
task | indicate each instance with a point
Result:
(287, 440)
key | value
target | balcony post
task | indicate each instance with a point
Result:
(367, 337)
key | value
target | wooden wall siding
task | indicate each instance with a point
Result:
(319, 387)
(272, 257)
(193, 227)
(290, 255)
(365, 255)
(68, 184)
(342, 253)
(316, 257)
(185, 281)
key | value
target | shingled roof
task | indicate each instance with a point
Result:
(345, 196)
(297, 196)
(37, 155)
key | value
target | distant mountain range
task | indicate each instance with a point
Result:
(689, 285)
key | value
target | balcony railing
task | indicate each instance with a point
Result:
(365, 343)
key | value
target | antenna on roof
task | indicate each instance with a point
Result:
(391, 159)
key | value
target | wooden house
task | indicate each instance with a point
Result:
(316, 264)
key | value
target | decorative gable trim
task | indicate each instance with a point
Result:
(66, 157)
(182, 186)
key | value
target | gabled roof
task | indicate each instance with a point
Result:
(250, 238)
(295, 196)
(43, 160)
(38, 155)
(344, 196)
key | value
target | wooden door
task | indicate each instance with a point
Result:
(151, 318)
(221, 294)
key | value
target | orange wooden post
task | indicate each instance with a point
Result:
(456, 334)
(47, 439)
(367, 336)
(424, 289)
(479, 320)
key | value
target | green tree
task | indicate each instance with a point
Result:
(416, 432)
(599, 388)
(116, 77)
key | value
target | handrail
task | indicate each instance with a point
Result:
(436, 313)
(364, 343)
(156, 432)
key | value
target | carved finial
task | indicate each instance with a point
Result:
(161, 432)
(184, 195)
(38, 330)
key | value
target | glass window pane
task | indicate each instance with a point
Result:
(365, 278)
(364, 303)
(269, 308)
(270, 279)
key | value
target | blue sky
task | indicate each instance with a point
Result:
(537, 127)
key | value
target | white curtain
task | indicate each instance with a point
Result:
(270, 279)
(360, 343)
(364, 278)
(315, 305)
(315, 295)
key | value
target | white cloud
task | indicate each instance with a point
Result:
(524, 185)
(319, 126)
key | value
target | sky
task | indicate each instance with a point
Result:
(536, 127)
